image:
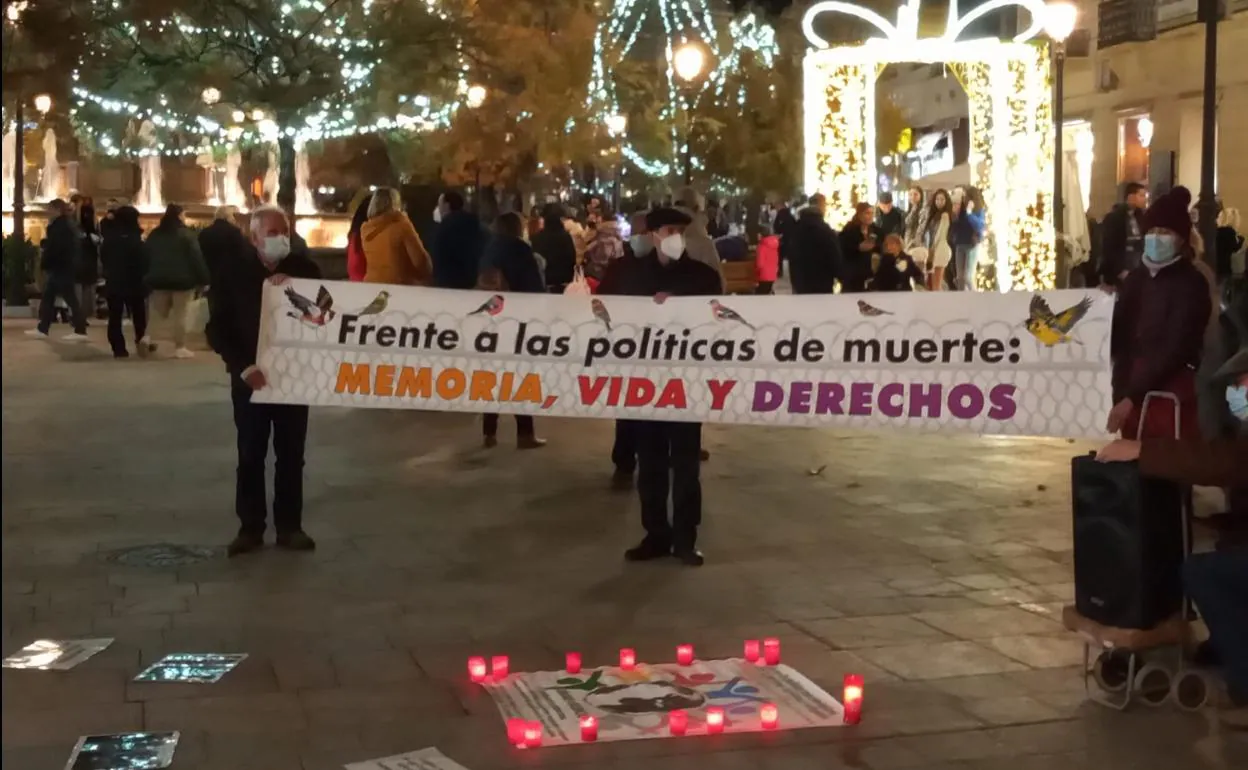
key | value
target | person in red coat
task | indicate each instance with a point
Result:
(357, 265)
(1159, 329)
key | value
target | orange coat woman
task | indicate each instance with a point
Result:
(393, 252)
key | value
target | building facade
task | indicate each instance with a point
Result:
(1133, 108)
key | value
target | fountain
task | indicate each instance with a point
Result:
(149, 198)
(10, 168)
(271, 176)
(304, 204)
(50, 179)
(233, 194)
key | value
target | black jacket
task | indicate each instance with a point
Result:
(556, 246)
(813, 252)
(234, 304)
(125, 259)
(457, 249)
(896, 273)
(60, 248)
(221, 242)
(893, 222)
(514, 259)
(87, 269)
(1121, 245)
(646, 277)
(857, 264)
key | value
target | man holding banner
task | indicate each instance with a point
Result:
(667, 450)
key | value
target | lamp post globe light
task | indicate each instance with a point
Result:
(617, 124)
(689, 62)
(1059, 22)
(43, 103)
(476, 96)
(210, 95)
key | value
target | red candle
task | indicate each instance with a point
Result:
(752, 650)
(678, 722)
(476, 669)
(533, 734)
(628, 658)
(714, 720)
(515, 732)
(769, 715)
(684, 654)
(499, 665)
(771, 651)
(572, 662)
(852, 698)
(589, 728)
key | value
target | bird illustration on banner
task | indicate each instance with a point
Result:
(378, 305)
(491, 307)
(870, 310)
(724, 313)
(308, 312)
(1054, 328)
(600, 312)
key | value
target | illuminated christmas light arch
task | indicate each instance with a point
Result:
(1011, 126)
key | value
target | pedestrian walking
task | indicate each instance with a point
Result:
(393, 251)
(58, 260)
(176, 270)
(87, 267)
(813, 250)
(222, 240)
(126, 262)
(1122, 236)
(668, 453)
(557, 248)
(233, 333)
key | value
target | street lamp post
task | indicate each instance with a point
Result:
(1210, 12)
(617, 124)
(689, 61)
(1059, 23)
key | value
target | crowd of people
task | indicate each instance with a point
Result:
(1170, 324)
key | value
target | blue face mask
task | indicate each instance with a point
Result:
(1237, 401)
(1160, 249)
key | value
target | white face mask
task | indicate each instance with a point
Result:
(673, 246)
(274, 249)
(641, 244)
(1237, 401)
(437, 215)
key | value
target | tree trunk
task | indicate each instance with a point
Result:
(286, 173)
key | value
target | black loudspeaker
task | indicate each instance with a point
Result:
(1130, 543)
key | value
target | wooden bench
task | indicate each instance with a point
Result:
(740, 277)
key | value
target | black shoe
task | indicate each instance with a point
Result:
(704, 455)
(121, 354)
(490, 442)
(244, 543)
(622, 481)
(690, 558)
(295, 541)
(530, 442)
(647, 550)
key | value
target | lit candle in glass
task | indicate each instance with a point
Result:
(714, 720)
(476, 669)
(628, 659)
(533, 734)
(752, 650)
(572, 662)
(771, 651)
(678, 722)
(852, 698)
(589, 728)
(684, 654)
(500, 665)
(769, 716)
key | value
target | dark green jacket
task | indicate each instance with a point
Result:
(176, 261)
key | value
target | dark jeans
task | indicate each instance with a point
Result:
(118, 305)
(524, 425)
(288, 426)
(1218, 584)
(669, 457)
(64, 287)
(624, 451)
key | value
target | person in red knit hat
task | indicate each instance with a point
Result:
(1159, 327)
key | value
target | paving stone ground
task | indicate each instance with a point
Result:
(935, 566)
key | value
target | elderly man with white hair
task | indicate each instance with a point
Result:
(233, 331)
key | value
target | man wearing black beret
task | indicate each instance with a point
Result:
(666, 450)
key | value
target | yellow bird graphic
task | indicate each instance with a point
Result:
(1052, 329)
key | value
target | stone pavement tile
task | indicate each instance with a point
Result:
(303, 670)
(269, 713)
(987, 622)
(36, 757)
(52, 689)
(352, 668)
(1068, 760)
(345, 706)
(67, 722)
(1011, 710)
(935, 660)
(854, 633)
(1040, 651)
(987, 581)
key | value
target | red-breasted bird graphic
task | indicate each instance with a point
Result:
(600, 312)
(870, 310)
(724, 313)
(316, 313)
(492, 306)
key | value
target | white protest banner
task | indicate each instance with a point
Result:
(1013, 364)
